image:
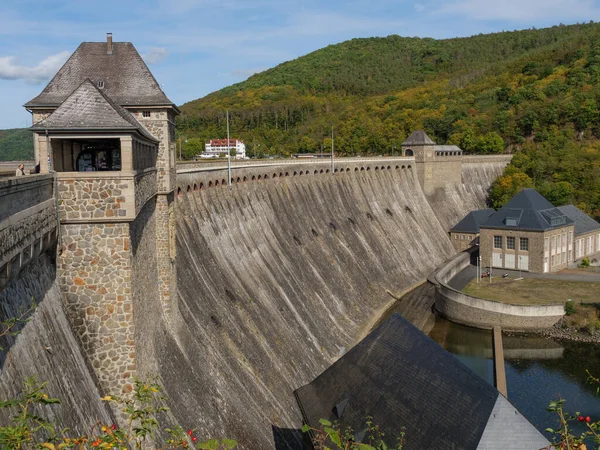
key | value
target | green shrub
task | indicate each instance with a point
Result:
(570, 308)
(585, 262)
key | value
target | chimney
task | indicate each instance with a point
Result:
(109, 43)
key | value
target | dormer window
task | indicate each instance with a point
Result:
(100, 84)
(145, 113)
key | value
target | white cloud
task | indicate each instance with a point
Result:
(524, 10)
(155, 55)
(245, 73)
(10, 70)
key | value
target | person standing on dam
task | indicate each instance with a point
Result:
(20, 170)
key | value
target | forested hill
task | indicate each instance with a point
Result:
(532, 91)
(16, 145)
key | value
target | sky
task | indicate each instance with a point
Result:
(195, 47)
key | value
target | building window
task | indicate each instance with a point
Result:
(456, 236)
(100, 84)
(510, 242)
(145, 113)
(553, 244)
(546, 245)
(497, 241)
(524, 244)
(562, 257)
(463, 237)
(552, 260)
(570, 259)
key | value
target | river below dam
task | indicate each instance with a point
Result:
(538, 370)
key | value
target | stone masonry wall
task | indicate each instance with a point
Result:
(165, 251)
(95, 198)
(145, 188)
(94, 270)
(144, 277)
(161, 125)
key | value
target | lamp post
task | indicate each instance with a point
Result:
(228, 154)
(332, 163)
(180, 138)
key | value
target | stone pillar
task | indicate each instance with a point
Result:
(94, 270)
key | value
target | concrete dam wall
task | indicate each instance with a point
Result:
(277, 279)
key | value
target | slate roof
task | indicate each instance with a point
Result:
(418, 137)
(529, 211)
(402, 378)
(472, 221)
(583, 223)
(88, 108)
(127, 80)
(447, 148)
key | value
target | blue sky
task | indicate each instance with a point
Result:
(194, 47)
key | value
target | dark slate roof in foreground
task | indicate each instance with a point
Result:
(127, 80)
(418, 137)
(528, 210)
(472, 221)
(402, 378)
(583, 222)
(88, 108)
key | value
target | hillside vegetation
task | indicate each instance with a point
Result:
(531, 92)
(16, 145)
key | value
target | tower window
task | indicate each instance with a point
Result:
(145, 113)
(100, 84)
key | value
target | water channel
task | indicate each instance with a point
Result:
(538, 370)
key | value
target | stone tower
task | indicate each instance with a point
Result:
(437, 166)
(106, 129)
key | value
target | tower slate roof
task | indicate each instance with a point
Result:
(528, 210)
(583, 222)
(124, 74)
(88, 108)
(402, 378)
(418, 137)
(472, 221)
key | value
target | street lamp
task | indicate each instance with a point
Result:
(180, 138)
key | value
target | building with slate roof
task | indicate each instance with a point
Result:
(437, 166)
(528, 233)
(106, 129)
(587, 234)
(402, 378)
(465, 233)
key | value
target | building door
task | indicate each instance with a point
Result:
(509, 260)
(524, 262)
(497, 259)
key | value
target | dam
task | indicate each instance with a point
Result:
(277, 278)
(231, 289)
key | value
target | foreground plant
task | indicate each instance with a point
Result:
(563, 437)
(329, 434)
(30, 431)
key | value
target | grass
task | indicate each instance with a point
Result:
(533, 291)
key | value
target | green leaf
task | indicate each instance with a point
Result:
(335, 438)
(365, 447)
(229, 443)
(325, 422)
(211, 444)
(305, 428)
(550, 430)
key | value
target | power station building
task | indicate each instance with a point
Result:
(529, 233)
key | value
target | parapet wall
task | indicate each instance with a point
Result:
(28, 222)
(194, 179)
(476, 312)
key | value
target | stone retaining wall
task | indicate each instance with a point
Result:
(476, 312)
(28, 222)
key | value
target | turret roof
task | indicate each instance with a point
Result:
(418, 137)
(89, 108)
(123, 74)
